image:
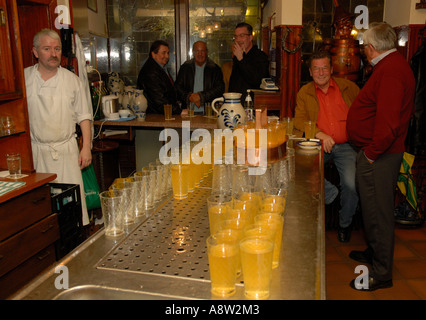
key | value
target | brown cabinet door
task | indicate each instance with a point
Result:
(7, 80)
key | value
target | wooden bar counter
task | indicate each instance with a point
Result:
(157, 121)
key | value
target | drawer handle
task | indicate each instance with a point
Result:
(50, 226)
(44, 255)
(39, 200)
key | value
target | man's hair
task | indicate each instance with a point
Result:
(320, 55)
(156, 46)
(381, 36)
(45, 32)
(244, 24)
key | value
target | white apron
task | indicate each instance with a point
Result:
(54, 108)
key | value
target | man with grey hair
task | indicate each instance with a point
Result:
(56, 103)
(377, 125)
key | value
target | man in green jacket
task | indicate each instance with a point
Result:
(326, 101)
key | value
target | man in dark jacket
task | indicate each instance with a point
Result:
(250, 64)
(199, 80)
(155, 80)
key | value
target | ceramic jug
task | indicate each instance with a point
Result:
(139, 101)
(231, 114)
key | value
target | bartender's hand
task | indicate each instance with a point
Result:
(327, 141)
(85, 158)
(237, 51)
(196, 99)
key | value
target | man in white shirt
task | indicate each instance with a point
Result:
(56, 103)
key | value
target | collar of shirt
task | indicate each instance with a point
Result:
(377, 59)
(200, 67)
(331, 84)
(163, 67)
(51, 82)
(332, 112)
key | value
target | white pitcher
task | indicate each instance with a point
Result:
(139, 101)
(232, 113)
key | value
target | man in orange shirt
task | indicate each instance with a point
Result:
(326, 101)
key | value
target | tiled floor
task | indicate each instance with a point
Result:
(409, 280)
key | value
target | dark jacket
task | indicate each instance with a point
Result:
(213, 82)
(417, 132)
(249, 72)
(157, 87)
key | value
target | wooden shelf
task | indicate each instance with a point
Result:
(12, 135)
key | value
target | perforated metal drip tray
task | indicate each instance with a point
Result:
(172, 242)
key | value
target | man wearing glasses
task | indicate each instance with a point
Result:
(250, 64)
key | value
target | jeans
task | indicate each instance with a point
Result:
(344, 158)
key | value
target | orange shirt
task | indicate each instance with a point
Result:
(332, 113)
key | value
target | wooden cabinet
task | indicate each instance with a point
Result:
(28, 231)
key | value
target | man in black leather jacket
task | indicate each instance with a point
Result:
(156, 82)
(209, 84)
(250, 64)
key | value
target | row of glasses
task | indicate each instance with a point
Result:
(118, 207)
(232, 178)
(128, 199)
(245, 238)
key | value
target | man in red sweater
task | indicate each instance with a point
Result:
(377, 124)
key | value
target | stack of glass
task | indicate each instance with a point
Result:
(128, 199)
(246, 218)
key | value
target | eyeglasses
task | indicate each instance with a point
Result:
(323, 69)
(242, 35)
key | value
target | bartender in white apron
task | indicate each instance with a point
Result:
(56, 102)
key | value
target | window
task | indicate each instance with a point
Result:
(133, 27)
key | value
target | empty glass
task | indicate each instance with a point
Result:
(14, 165)
(146, 192)
(128, 189)
(112, 211)
(8, 125)
(221, 180)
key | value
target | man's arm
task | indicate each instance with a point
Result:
(85, 156)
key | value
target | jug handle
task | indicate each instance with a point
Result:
(213, 103)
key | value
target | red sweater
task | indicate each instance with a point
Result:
(379, 117)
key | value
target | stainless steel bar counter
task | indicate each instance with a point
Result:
(163, 255)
